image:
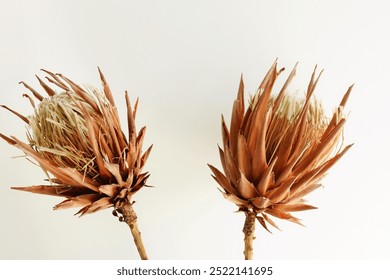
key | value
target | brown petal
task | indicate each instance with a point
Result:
(246, 188)
(95, 147)
(135, 108)
(282, 191)
(266, 180)
(100, 204)
(233, 173)
(222, 180)
(297, 194)
(236, 118)
(114, 170)
(110, 190)
(260, 202)
(262, 222)
(271, 75)
(30, 99)
(260, 108)
(240, 94)
(225, 133)
(346, 96)
(48, 90)
(131, 157)
(236, 200)
(140, 182)
(129, 179)
(54, 190)
(115, 134)
(284, 88)
(270, 221)
(106, 88)
(287, 169)
(313, 82)
(293, 207)
(130, 121)
(79, 178)
(8, 140)
(55, 80)
(243, 157)
(34, 92)
(259, 161)
(23, 118)
(235, 125)
(104, 146)
(139, 141)
(145, 156)
(222, 158)
(79, 201)
(283, 215)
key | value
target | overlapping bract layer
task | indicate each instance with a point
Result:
(277, 150)
(76, 137)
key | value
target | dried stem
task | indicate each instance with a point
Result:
(130, 217)
(249, 232)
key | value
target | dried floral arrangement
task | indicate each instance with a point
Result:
(75, 136)
(276, 152)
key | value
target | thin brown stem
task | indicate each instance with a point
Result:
(130, 217)
(249, 232)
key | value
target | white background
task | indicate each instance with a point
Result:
(184, 60)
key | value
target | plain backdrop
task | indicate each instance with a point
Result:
(183, 59)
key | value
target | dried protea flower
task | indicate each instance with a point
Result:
(276, 152)
(75, 136)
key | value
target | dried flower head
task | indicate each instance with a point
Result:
(277, 150)
(75, 136)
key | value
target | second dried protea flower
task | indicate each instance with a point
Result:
(276, 152)
(76, 137)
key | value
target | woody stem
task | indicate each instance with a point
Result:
(130, 217)
(249, 232)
